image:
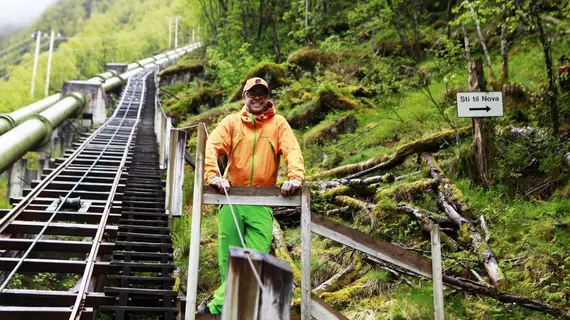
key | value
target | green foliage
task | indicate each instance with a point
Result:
(529, 162)
(229, 70)
(4, 201)
(110, 31)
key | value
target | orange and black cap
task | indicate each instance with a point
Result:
(250, 83)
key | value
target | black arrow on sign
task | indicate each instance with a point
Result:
(480, 109)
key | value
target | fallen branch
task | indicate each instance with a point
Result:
(485, 228)
(399, 272)
(432, 143)
(343, 190)
(350, 168)
(342, 211)
(329, 184)
(427, 219)
(505, 297)
(362, 208)
(282, 253)
(467, 232)
(492, 292)
(334, 279)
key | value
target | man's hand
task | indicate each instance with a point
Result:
(289, 187)
(220, 184)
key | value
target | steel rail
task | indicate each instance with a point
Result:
(21, 206)
(82, 294)
(62, 202)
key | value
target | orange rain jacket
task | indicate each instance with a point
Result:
(254, 146)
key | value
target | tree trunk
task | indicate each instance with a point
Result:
(449, 17)
(483, 130)
(467, 48)
(260, 26)
(399, 29)
(243, 22)
(482, 41)
(504, 53)
(275, 34)
(552, 92)
(417, 36)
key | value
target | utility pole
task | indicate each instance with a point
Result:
(36, 57)
(170, 32)
(46, 92)
(176, 33)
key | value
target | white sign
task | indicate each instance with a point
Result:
(479, 104)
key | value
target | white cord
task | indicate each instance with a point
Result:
(257, 277)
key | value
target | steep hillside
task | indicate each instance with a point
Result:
(92, 33)
(375, 89)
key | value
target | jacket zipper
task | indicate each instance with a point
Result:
(253, 152)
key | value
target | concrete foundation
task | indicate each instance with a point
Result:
(16, 178)
(94, 111)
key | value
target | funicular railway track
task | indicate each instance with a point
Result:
(99, 215)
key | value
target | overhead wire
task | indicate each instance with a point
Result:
(19, 58)
(110, 47)
(16, 45)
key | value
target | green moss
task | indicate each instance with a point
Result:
(308, 58)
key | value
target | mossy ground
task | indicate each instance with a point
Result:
(533, 232)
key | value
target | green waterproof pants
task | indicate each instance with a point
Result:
(256, 226)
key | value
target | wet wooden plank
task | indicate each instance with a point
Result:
(262, 196)
(374, 247)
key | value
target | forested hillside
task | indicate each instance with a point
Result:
(91, 33)
(370, 89)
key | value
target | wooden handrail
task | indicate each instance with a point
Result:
(261, 196)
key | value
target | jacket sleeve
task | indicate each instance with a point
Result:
(220, 142)
(289, 147)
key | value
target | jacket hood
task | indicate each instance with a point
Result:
(270, 112)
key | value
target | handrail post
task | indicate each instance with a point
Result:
(306, 253)
(437, 273)
(193, 261)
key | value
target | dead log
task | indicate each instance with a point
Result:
(363, 209)
(350, 168)
(505, 297)
(427, 220)
(282, 253)
(287, 217)
(334, 279)
(407, 192)
(432, 143)
(492, 292)
(343, 190)
(341, 212)
(353, 203)
(454, 196)
(467, 231)
(328, 184)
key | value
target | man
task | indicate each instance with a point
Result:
(253, 140)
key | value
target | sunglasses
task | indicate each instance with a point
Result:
(262, 95)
